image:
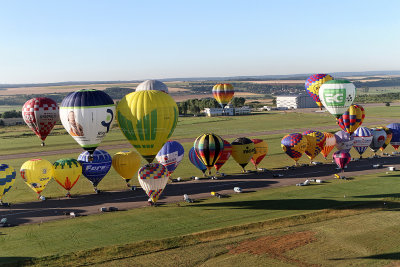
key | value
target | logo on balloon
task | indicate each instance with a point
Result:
(334, 97)
(107, 124)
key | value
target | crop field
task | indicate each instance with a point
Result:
(225, 232)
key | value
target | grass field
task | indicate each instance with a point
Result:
(209, 228)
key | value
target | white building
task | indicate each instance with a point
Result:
(295, 101)
(227, 111)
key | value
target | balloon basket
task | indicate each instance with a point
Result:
(42, 144)
(68, 195)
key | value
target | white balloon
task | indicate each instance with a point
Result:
(337, 96)
(152, 85)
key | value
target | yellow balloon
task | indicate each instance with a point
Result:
(126, 163)
(67, 172)
(242, 151)
(37, 173)
(7, 179)
(147, 119)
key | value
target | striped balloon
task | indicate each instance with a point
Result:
(208, 148)
(313, 83)
(294, 145)
(341, 158)
(223, 93)
(153, 178)
(395, 128)
(194, 159)
(226, 153)
(315, 143)
(7, 179)
(352, 118)
(330, 142)
(362, 139)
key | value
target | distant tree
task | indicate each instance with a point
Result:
(387, 104)
(238, 101)
(274, 101)
(12, 114)
(1, 123)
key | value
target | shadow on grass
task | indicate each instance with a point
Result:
(395, 195)
(14, 261)
(384, 256)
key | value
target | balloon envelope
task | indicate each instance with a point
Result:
(344, 141)
(153, 178)
(362, 139)
(223, 93)
(147, 119)
(7, 179)
(315, 143)
(313, 83)
(337, 96)
(378, 139)
(126, 164)
(170, 155)
(95, 170)
(36, 173)
(87, 116)
(208, 148)
(330, 142)
(242, 151)
(67, 172)
(388, 137)
(194, 159)
(341, 158)
(294, 145)
(261, 150)
(395, 129)
(152, 85)
(352, 118)
(225, 154)
(40, 114)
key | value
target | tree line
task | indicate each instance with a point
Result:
(195, 106)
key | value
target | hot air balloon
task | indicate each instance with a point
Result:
(344, 141)
(378, 139)
(341, 158)
(126, 164)
(194, 159)
(388, 137)
(313, 83)
(40, 114)
(362, 139)
(170, 155)
(337, 96)
(96, 169)
(152, 85)
(87, 117)
(153, 178)
(36, 174)
(225, 154)
(395, 129)
(7, 179)
(330, 142)
(352, 118)
(208, 148)
(315, 143)
(242, 151)
(294, 145)
(147, 119)
(261, 148)
(67, 172)
(223, 93)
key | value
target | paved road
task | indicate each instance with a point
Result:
(53, 209)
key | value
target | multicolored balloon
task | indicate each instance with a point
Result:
(67, 172)
(330, 142)
(170, 155)
(344, 141)
(208, 148)
(153, 178)
(313, 83)
(341, 158)
(395, 129)
(152, 85)
(40, 114)
(315, 143)
(7, 179)
(362, 139)
(242, 151)
(126, 164)
(388, 137)
(36, 173)
(147, 119)
(225, 154)
(352, 118)
(337, 96)
(378, 139)
(194, 159)
(294, 145)
(96, 169)
(261, 148)
(87, 116)
(223, 93)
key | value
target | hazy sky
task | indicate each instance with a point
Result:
(47, 41)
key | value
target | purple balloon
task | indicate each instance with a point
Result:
(344, 141)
